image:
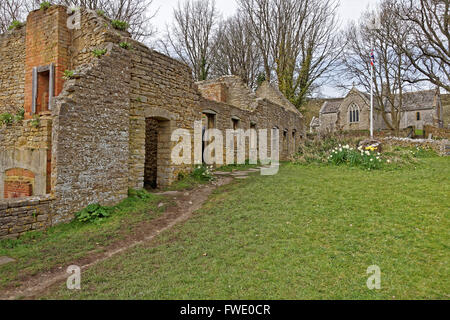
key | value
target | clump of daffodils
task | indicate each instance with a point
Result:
(367, 158)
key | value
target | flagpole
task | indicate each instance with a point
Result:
(371, 95)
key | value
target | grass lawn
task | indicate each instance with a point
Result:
(61, 245)
(309, 232)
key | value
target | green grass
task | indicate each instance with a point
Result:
(187, 183)
(42, 251)
(238, 167)
(309, 232)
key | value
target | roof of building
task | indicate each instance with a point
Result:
(331, 106)
(412, 101)
(420, 100)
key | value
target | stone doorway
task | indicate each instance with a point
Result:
(157, 153)
(208, 122)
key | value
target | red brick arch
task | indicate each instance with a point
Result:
(18, 183)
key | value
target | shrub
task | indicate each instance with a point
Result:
(15, 25)
(99, 52)
(119, 25)
(203, 173)
(93, 213)
(318, 149)
(45, 5)
(6, 118)
(125, 45)
(68, 74)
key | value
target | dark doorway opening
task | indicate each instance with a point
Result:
(157, 153)
(151, 153)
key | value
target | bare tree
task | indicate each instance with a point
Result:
(191, 36)
(258, 13)
(427, 46)
(12, 10)
(393, 70)
(136, 13)
(236, 53)
(297, 40)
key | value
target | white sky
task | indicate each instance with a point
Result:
(349, 10)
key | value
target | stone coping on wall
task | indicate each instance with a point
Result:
(19, 216)
(23, 202)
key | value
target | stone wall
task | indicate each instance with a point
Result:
(235, 91)
(23, 215)
(409, 118)
(437, 133)
(12, 72)
(26, 135)
(344, 115)
(272, 93)
(26, 146)
(262, 114)
(328, 122)
(437, 145)
(91, 136)
(161, 88)
(94, 31)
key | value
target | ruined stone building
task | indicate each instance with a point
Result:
(91, 134)
(353, 112)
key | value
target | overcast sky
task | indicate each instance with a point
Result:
(349, 10)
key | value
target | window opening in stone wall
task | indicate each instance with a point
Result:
(43, 88)
(354, 113)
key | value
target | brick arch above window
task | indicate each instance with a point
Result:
(18, 183)
(19, 172)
